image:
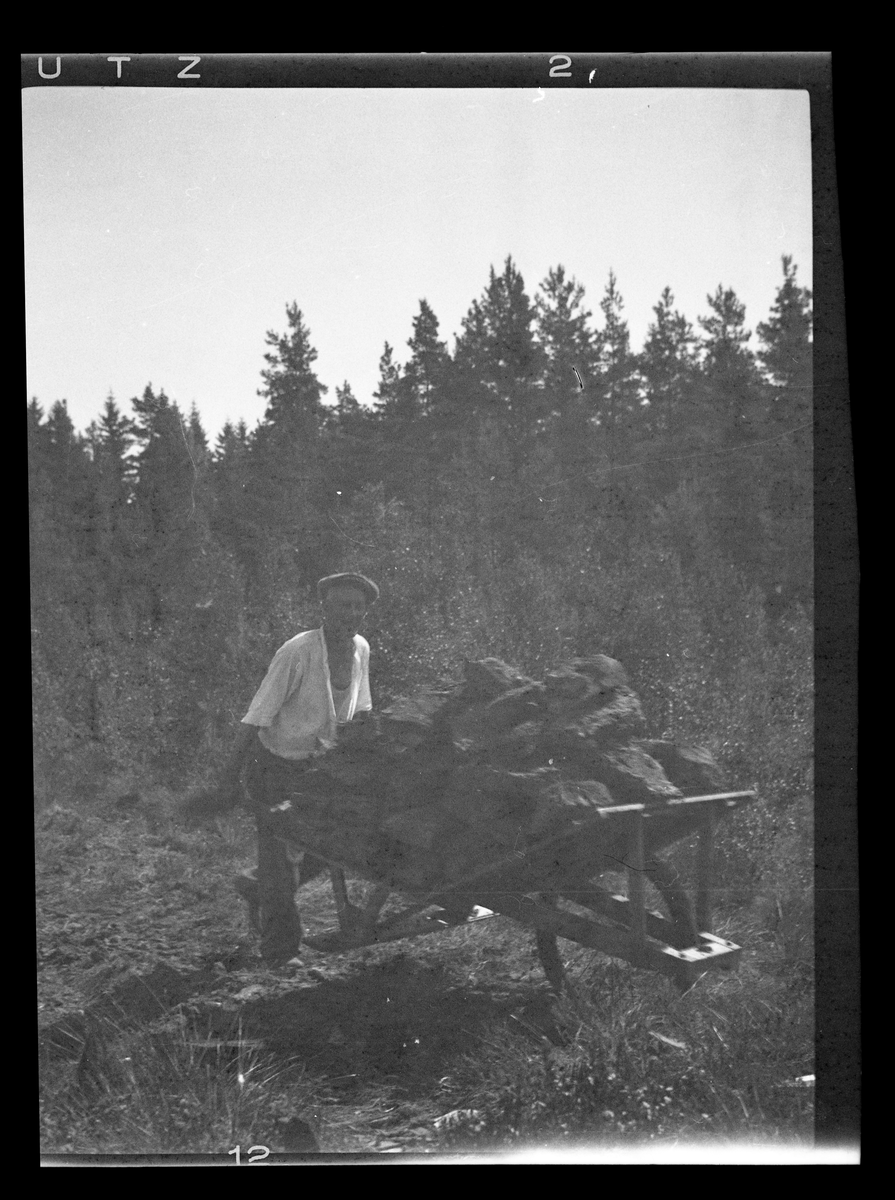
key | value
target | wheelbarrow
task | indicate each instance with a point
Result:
(551, 888)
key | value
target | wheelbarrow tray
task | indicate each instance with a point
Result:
(564, 867)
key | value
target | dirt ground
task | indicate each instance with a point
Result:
(137, 923)
(161, 1031)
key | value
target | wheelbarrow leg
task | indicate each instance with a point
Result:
(357, 923)
(373, 903)
(548, 952)
(347, 912)
(246, 886)
(677, 901)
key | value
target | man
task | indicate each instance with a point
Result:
(317, 681)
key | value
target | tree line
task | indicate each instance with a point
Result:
(536, 488)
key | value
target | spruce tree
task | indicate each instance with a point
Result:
(288, 492)
(111, 439)
(786, 349)
(293, 392)
(235, 514)
(786, 354)
(734, 430)
(429, 362)
(392, 402)
(170, 504)
(64, 576)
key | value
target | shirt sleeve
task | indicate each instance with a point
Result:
(364, 700)
(282, 678)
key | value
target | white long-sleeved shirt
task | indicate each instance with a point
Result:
(294, 706)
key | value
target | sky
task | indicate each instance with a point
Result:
(167, 230)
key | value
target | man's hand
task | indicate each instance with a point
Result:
(231, 779)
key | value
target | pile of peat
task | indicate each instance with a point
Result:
(499, 780)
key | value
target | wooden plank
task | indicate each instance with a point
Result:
(656, 809)
(340, 891)
(514, 865)
(637, 879)
(730, 797)
(705, 853)
(519, 870)
(583, 930)
(713, 953)
(416, 925)
(618, 908)
(684, 966)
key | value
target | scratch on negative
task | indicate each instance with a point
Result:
(193, 465)
(366, 545)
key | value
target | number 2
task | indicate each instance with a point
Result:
(559, 71)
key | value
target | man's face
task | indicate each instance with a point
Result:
(344, 608)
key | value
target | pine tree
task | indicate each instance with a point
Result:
(352, 454)
(348, 408)
(398, 437)
(571, 347)
(572, 351)
(617, 407)
(668, 365)
(619, 381)
(498, 358)
(728, 366)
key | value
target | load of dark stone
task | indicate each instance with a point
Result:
(499, 785)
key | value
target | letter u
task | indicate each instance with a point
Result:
(42, 73)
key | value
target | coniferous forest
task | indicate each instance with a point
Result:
(539, 491)
(536, 492)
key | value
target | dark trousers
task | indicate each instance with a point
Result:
(281, 868)
(278, 879)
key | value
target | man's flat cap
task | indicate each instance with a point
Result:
(349, 579)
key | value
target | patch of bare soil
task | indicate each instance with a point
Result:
(140, 926)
